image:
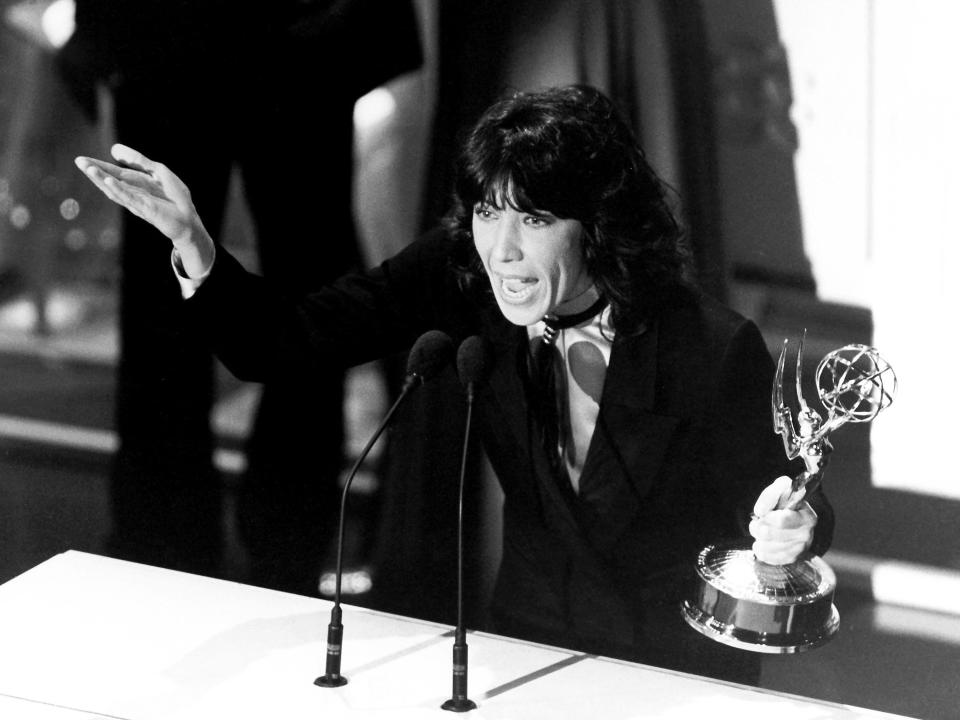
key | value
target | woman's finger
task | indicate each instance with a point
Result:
(763, 531)
(131, 198)
(117, 190)
(772, 495)
(137, 178)
(96, 172)
(801, 517)
(133, 201)
(133, 159)
(99, 179)
(174, 187)
(778, 553)
(129, 175)
(84, 163)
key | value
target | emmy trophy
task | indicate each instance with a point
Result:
(752, 605)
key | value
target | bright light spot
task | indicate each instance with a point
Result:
(75, 239)
(373, 108)
(20, 217)
(109, 238)
(229, 461)
(352, 583)
(69, 209)
(936, 627)
(917, 586)
(58, 22)
(63, 310)
(19, 315)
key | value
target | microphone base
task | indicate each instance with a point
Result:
(330, 681)
(459, 705)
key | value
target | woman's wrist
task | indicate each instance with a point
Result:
(196, 253)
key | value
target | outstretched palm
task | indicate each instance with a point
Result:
(147, 189)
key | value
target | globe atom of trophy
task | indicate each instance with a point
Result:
(743, 602)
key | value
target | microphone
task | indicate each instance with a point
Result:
(429, 354)
(473, 367)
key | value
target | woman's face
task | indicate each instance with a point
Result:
(534, 260)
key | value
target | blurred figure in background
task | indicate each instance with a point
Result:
(268, 87)
(44, 214)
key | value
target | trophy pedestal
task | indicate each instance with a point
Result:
(748, 604)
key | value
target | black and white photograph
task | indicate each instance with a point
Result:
(510, 358)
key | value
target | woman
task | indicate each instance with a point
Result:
(652, 438)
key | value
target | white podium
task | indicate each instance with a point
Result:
(84, 637)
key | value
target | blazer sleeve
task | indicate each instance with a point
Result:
(259, 330)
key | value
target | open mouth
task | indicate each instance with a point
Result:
(517, 289)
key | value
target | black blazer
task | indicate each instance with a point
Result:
(683, 444)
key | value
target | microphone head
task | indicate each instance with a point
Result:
(429, 354)
(473, 360)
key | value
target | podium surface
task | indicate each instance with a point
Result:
(88, 637)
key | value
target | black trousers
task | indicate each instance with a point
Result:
(167, 499)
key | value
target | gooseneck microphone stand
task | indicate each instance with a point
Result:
(459, 702)
(430, 353)
(472, 361)
(332, 677)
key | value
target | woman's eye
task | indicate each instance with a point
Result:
(536, 220)
(483, 212)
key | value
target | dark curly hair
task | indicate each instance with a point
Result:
(567, 151)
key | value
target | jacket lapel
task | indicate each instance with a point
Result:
(630, 440)
(507, 389)
(505, 382)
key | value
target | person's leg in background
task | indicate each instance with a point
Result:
(165, 493)
(300, 198)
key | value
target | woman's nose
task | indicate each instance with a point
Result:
(506, 246)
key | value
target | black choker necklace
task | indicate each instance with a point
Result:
(556, 323)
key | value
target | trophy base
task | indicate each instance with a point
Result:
(747, 604)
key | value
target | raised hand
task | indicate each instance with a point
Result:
(151, 191)
(781, 534)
